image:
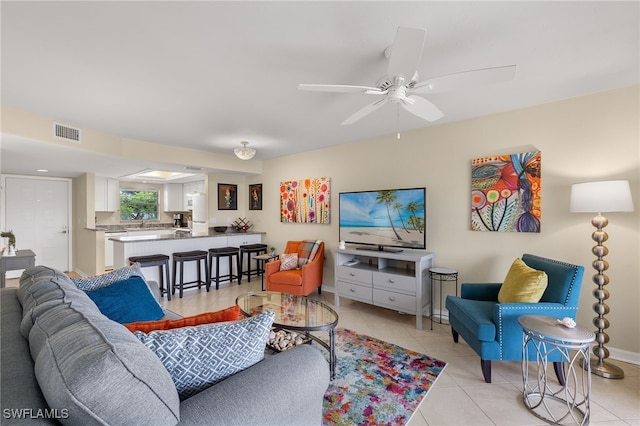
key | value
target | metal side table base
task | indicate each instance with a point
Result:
(555, 403)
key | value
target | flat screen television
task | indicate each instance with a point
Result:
(388, 220)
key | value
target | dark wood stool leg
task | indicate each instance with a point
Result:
(167, 280)
(239, 268)
(208, 269)
(181, 277)
(249, 266)
(161, 280)
(199, 275)
(217, 272)
(173, 283)
(231, 262)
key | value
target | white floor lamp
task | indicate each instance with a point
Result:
(599, 197)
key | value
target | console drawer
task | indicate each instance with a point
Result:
(348, 273)
(395, 282)
(354, 291)
(396, 301)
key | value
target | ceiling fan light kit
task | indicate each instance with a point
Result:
(401, 85)
(244, 152)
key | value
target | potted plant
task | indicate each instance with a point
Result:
(11, 249)
(273, 251)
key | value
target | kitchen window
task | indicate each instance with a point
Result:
(138, 204)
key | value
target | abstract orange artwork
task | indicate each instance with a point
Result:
(305, 201)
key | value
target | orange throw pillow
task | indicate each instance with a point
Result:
(229, 314)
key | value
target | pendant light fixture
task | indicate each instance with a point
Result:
(244, 153)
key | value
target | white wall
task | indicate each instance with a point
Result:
(582, 139)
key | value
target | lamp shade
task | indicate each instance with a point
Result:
(599, 197)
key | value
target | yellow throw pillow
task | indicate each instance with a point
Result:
(522, 284)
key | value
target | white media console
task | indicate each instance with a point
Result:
(398, 281)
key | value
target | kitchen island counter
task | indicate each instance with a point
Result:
(127, 246)
(181, 236)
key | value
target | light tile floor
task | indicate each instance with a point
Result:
(460, 395)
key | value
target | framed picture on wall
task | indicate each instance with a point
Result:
(227, 196)
(255, 197)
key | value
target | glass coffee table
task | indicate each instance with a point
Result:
(295, 313)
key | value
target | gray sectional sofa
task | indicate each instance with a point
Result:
(78, 367)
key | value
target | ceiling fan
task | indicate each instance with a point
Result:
(401, 85)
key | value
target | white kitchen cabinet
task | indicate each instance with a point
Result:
(173, 197)
(189, 190)
(107, 194)
(243, 239)
(108, 248)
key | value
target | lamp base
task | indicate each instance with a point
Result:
(603, 369)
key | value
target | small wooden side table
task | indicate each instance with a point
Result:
(546, 336)
(264, 258)
(22, 260)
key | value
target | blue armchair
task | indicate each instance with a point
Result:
(492, 329)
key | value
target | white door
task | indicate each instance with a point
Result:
(37, 210)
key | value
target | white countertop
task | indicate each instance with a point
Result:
(179, 236)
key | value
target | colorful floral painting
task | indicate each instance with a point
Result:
(305, 201)
(505, 193)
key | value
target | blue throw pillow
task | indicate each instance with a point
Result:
(127, 301)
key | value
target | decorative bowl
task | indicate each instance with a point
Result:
(220, 228)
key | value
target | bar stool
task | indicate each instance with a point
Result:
(248, 249)
(161, 261)
(229, 253)
(179, 258)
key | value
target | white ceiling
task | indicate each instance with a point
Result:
(210, 74)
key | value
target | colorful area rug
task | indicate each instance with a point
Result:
(377, 383)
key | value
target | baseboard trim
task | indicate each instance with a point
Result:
(624, 356)
(81, 273)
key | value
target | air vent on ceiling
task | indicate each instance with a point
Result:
(67, 133)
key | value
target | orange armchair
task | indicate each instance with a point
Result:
(301, 281)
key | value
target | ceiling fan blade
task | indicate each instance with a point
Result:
(406, 52)
(420, 107)
(365, 111)
(338, 88)
(465, 79)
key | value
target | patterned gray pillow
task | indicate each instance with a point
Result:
(198, 357)
(105, 280)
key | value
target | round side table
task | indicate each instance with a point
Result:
(546, 336)
(441, 275)
(262, 259)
